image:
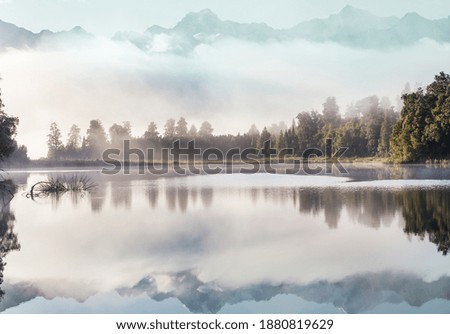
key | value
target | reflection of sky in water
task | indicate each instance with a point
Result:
(225, 242)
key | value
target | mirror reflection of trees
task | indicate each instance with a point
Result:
(373, 208)
(8, 238)
(427, 213)
(206, 195)
(171, 198)
(97, 199)
(121, 196)
(180, 198)
(153, 195)
(183, 197)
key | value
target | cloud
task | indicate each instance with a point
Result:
(232, 84)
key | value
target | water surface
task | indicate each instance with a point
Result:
(374, 241)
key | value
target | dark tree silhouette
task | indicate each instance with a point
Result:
(8, 131)
(426, 213)
(423, 131)
(8, 239)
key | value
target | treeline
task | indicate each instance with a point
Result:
(369, 128)
(365, 130)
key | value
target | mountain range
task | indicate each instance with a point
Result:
(353, 294)
(15, 37)
(350, 27)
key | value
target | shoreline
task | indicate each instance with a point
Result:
(97, 164)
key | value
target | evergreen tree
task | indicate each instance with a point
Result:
(352, 136)
(54, 142)
(169, 129)
(372, 120)
(152, 132)
(74, 138)
(181, 129)
(263, 139)
(96, 140)
(253, 134)
(331, 120)
(119, 133)
(292, 140)
(192, 132)
(330, 112)
(281, 141)
(389, 120)
(309, 130)
(206, 130)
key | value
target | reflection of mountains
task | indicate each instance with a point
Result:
(354, 294)
(18, 293)
(8, 239)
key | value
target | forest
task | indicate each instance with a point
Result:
(369, 128)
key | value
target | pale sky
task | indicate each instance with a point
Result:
(105, 17)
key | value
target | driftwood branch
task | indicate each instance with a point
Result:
(60, 185)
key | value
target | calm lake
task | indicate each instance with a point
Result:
(372, 241)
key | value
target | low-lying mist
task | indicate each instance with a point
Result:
(231, 84)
